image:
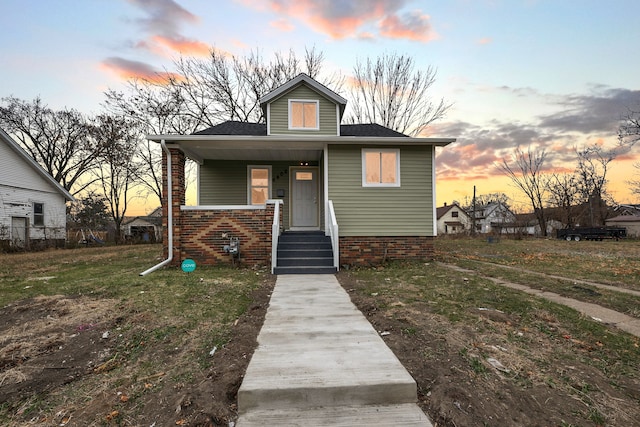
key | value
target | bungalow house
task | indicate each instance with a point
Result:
(492, 217)
(301, 192)
(452, 219)
(32, 203)
(144, 228)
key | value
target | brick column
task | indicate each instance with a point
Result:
(178, 196)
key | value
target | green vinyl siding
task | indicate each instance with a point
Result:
(224, 182)
(279, 113)
(382, 211)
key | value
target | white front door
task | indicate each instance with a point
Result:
(18, 231)
(304, 197)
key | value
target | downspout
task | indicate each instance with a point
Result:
(169, 215)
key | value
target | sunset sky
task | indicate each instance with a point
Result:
(551, 74)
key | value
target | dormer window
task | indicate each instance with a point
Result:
(303, 114)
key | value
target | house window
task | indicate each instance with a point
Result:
(380, 167)
(259, 180)
(38, 214)
(454, 214)
(303, 114)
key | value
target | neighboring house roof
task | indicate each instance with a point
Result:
(303, 79)
(34, 165)
(260, 129)
(624, 218)
(442, 210)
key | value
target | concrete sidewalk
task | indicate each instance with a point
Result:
(319, 362)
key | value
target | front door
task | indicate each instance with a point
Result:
(304, 197)
(18, 231)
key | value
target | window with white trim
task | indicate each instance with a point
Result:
(380, 167)
(38, 214)
(304, 114)
(259, 184)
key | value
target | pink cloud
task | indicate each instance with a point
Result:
(411, 26)
(126, 70)
(183, 45)
(342, 20)
(485, 40)
(282, 25)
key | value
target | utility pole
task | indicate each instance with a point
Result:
(473, 213)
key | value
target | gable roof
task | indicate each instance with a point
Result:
(260, 129)
(301, 79)
(11, 143)
(442, 210)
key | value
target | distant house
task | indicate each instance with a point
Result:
(145, 228)
(452, 219)
(493, 217)
(32, 203)
(365, 188)
(630, 222)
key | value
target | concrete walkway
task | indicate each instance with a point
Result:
(319, 362)
(596, 312)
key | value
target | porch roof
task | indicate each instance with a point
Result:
(203, 146)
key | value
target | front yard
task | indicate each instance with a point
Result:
(86, 341)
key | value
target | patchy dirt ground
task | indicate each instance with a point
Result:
(543, 382)
(69, 353)
(55, 350)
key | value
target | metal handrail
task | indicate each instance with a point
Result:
(334, 234)
(275, 234)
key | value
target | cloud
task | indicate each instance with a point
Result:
(485, 40)
(163, 16)
(162, 23)
(282, 25)
(346, 19)
(127, 69)
(411, 26)
(595, 113)
(183, 45)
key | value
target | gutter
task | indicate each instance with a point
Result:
(169, 215)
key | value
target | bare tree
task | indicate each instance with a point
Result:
(629, 130)
(634, 184)
(391, 92)
(525, 172)
(224, 87)
(116, 172)
(593, 165)
(564, 194)
(58, 140)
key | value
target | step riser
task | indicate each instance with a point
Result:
(303, 246)
(305, 262)
(305, 270)
(305, 253)
(285, 238)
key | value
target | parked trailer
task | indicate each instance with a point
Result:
(591, 233)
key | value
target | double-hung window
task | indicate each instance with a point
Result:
(303, 114)
(380, 167)
(38, 214)
(259, 183)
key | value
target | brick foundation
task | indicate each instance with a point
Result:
(204, 233)
(364, 251)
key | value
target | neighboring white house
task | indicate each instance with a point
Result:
(32, 203)
(452, 219)
(493, 217)
(630, 222)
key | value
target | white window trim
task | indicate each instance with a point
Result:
(308, 101)
(364, 166)
(249, 168)
(33, 211)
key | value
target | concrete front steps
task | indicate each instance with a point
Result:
(319, 362)
(304, 252)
